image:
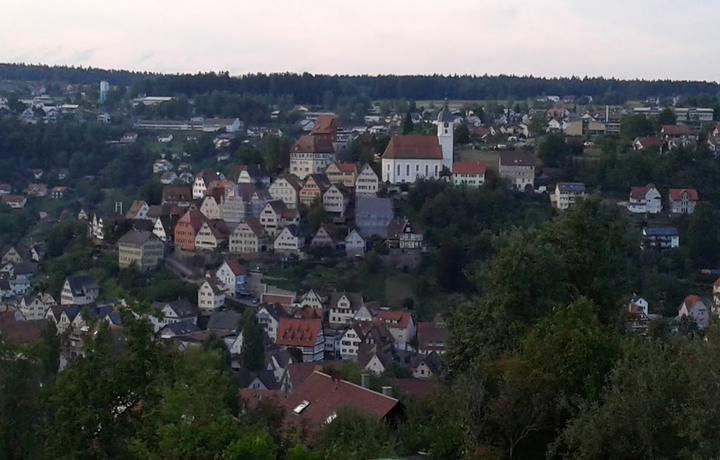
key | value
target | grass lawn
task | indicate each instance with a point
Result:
(488, 157)
(398, 287)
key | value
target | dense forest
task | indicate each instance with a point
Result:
(313, 89)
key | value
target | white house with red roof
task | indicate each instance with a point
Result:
(401, 326)
(643, 143)
(233, 275)
(311, 155)
(645, 200)
(678, 135)
(469, 174)
(694, 307)
(303, 334)
(411, 158)
(682, 200)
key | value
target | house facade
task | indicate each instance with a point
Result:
(694, 308)
(275, 216)
(335, 200)
(289, 241)
(313, 188)
(311, 155)
(343, 174)
(660, 238)
(286, 189)
(210, 296)
(187, 228)
(367, 182)
(410, 158)
(518, 168)
(566, 194)
(140, 248)
(645, 200)
(247, 238)
(468, 174)
(682, 200)
(79, 290)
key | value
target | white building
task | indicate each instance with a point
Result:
(367, 182)
(645, 200)
(445, 135)
(566, 194)
(311, 155)
(79, 290)
(410, 158)
(210, 296)
(287, 190)
(468, 174)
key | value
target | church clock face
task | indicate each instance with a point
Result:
(446, 124)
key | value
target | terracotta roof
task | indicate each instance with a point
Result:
(649, 141)
(677, 193)
(19, 332)
(298, 332)
(691, 300)
(469, 169)
(347, 168)
(176, 193)
(236, 267)
(318, 399)
(193, 217)
(429, 333)
(638, 193)
(325, 124)
(299, 372)
(413, 147)
(395, 319)
(312, 144)
(676, 130)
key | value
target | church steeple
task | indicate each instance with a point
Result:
(445, 134)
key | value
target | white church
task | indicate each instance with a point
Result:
(410, 158)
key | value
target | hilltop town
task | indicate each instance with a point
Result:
(357, 254)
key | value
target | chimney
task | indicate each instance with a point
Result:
(365, 380)
(387, 390)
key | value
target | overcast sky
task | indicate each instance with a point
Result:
(621, 38)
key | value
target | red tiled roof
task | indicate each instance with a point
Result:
(19, 332)
(646, 142)
(428, 332)
(299, 372)
(298, 332)
(325, 124)
(638, 193)
(236, 267)
(347, 168)
(312, 144)
(413, 147)
(677, 193)
(395, 319)
(325, 396)
(469, 169)
(676, 130)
